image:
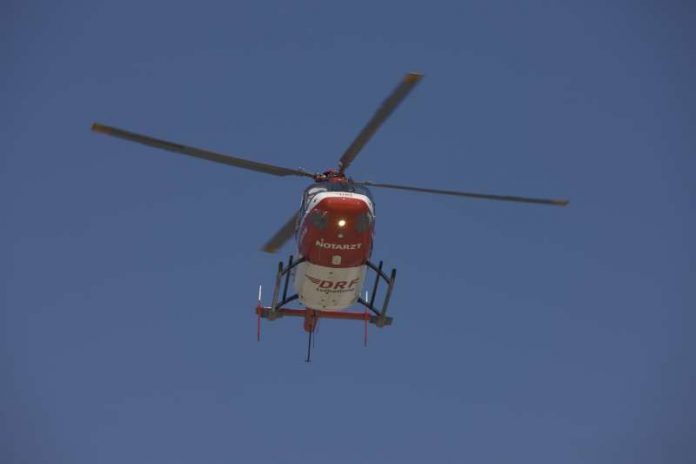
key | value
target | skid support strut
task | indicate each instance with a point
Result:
(380, 276)
(282, 272)
(376, 315)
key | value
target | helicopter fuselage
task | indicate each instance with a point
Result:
(334, 236)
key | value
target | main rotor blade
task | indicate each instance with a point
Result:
(541, 201)
(388, 106)
(199, 153)
(282, 236)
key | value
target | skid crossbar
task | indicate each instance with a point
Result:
(267, 313)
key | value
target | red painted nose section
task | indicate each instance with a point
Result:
(341, 205)
(337, 233)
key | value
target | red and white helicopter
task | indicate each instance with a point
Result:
(334, 230)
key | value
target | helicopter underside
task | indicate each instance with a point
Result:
(338, 295)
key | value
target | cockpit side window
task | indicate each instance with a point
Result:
(310, 193)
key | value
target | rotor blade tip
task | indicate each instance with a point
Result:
(96, 127)
(413, 77)
(561, 202)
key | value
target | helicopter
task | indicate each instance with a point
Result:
(334, 230)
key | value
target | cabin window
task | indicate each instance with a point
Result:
(310, 193)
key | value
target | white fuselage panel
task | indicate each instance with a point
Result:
(328, 288)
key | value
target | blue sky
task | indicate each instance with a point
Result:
(522, 333)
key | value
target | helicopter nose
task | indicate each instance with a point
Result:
(343, 214)
(338, 232)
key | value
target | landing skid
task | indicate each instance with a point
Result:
(277, 309)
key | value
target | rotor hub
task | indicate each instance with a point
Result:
(331, 175)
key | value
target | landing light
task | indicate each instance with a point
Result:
(341, 223)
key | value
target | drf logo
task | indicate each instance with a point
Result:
(331, 285)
